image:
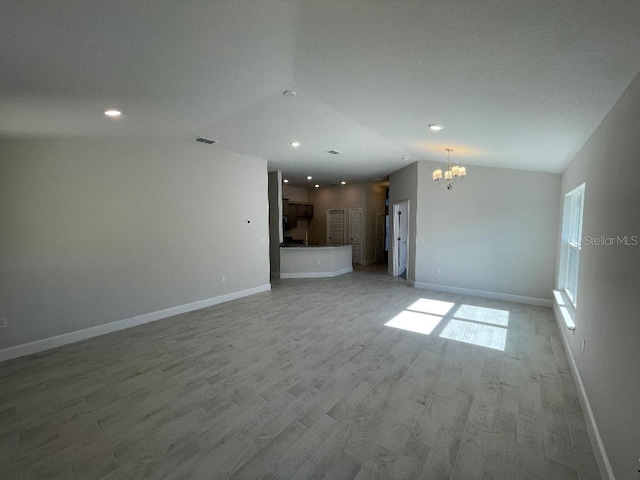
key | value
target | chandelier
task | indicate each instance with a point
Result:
(451, 174)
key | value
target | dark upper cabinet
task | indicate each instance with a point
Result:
(291, 211)
(305, 210)
(289, 215)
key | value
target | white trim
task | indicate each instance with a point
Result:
(540, 302)
(567, 221)
(575, 190)
(600, 453)
(565, 309)
(335, 273)
(78, 335)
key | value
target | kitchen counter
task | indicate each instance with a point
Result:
(314, 261)
(302, 245)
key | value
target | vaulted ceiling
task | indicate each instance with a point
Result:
(517, 84)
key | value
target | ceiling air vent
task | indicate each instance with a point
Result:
(333, 152)
(208, 141)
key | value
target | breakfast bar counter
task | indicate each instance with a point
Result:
(302, 261)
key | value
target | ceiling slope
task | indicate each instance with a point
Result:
(517, 84)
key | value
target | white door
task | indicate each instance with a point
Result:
(401, 235)
(335, 227)
(355, 234)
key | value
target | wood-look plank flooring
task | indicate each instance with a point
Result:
(304, 382)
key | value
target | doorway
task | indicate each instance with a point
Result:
(400, 243)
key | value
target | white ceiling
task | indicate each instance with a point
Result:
(518, 84)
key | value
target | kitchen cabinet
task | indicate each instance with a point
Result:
(303, 210)
(291, 211)
(289, 215)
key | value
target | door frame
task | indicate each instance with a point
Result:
(344, 224)
(394, 238)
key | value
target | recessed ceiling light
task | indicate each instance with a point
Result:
(289, 93)
(113, 113)
(295, 144)
(435, 127)
(343, 183)
(309, 177)
(317, 186)
(286, 181)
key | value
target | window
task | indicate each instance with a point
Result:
(572, 242)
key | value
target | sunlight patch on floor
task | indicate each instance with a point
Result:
(434, 307)
(415, 322)
(482, 326)
(492, 316)
(489, 336)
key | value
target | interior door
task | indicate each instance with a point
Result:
(403, 222)
(355, 234)
(401, 236)
(335, 227)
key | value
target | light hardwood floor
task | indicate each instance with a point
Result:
(305, 381)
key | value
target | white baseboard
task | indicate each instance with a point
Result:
(599, 451)
(72, 337)
(317, 274)
(540, 302)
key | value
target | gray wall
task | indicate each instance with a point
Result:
(607, 316)
(98, 231)
(368, 196)
(403, 185)
(326, 198)
(495, 231)
(376, 195)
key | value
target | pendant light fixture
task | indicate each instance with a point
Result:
(451, 174)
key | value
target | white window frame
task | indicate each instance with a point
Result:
(573, 213)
